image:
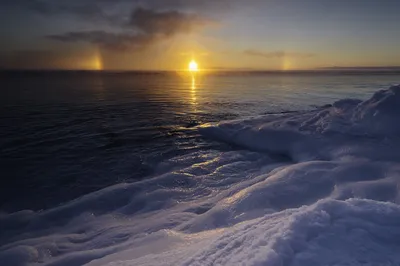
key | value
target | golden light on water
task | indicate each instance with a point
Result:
(193, 67)
(193, 84)
(193, 91)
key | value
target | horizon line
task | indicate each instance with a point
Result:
(215, 69)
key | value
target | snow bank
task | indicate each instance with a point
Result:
(329, 232)
(331, 132)
(307, 188)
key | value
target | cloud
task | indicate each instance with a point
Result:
(278, 54)
(166, 23)
(204, 5)
(87, 9)
(144, 27)
(108, 40)
(112, 10)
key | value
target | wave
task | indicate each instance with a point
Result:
(315, 187)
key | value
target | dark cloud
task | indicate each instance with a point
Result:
(278, 54)
(166, 23)
(87, 9)
(145, 27)
(82, 9)
(108, 40)
(100, 9)
(193, 5)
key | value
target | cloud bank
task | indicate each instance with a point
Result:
(144, 27)
(88, 9)
(114, 11)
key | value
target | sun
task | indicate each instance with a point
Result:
(193, 67)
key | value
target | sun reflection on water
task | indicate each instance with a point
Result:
(193, 91)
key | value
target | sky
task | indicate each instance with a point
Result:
(218, 34)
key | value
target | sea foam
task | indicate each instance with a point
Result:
(315, 187)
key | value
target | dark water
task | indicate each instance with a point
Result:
(65, 134)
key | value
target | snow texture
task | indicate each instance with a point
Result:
(317, 187)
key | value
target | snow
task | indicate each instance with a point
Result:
(317, 187)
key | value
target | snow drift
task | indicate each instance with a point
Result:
(317, 187)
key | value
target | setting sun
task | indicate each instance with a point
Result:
(193, 66)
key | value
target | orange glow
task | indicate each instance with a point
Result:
(193, 91)
(193, 67)
(97, 63)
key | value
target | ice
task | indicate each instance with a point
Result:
(318, 187)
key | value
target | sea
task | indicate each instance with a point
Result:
(213, 168)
